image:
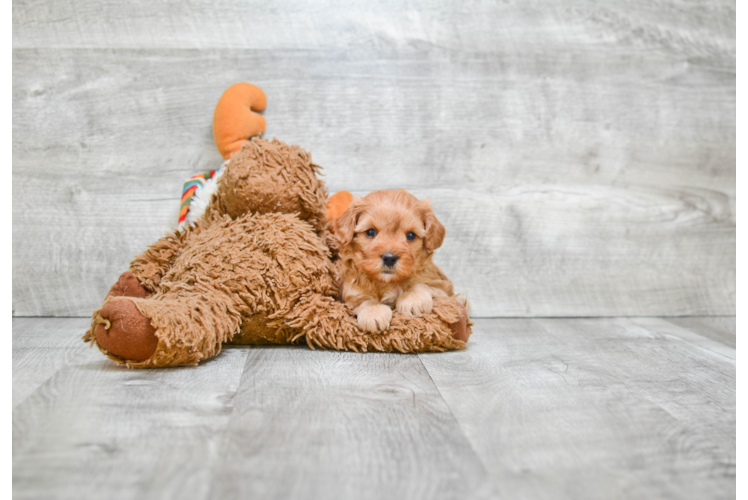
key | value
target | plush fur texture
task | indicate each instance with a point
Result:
(259, 267)
(271, 177)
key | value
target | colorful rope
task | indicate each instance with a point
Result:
(188, 192)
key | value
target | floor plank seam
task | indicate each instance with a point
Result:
(454, 417)
(52, 375)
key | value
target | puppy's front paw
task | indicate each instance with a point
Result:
(374, 318)
(416, 302)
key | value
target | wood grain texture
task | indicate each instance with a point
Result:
(377, 119)
(598, 408)
(324, 424)
(41, 346)
(583, 154)
(588, 250)
(98, 430)
(703, 28)
(722, 329)
(551, 408)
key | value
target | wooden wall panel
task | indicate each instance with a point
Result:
(581, 156)
(529, 27)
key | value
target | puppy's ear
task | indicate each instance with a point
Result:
(345, 224)
(434, 229)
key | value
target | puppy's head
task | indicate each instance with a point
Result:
(388, 235)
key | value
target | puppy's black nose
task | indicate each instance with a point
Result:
(389, 259)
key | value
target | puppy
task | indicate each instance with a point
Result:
(386, 241)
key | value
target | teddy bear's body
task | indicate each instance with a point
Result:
(258, 267)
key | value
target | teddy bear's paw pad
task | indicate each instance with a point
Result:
(460, 330)
(128, 286)
(126, 332)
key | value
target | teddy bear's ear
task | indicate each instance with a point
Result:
(345, 225)
(434, 229)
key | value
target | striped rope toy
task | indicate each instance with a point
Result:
(188, 192)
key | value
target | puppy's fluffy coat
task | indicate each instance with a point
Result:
(387, 240)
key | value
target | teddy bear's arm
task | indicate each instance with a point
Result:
(329, 324)
(150, 266)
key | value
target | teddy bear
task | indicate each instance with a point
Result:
(259, 266)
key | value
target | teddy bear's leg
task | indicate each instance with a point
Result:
(461, 327)
(122, 330)
(255, 267)
(330, 324)
(171, 329)
(142, 280)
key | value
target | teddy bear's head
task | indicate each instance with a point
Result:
(270, 177)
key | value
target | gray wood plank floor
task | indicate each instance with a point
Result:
(534, 408)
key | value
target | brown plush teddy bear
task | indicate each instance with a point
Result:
(258, 267)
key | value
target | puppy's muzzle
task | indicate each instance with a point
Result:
(389, 259)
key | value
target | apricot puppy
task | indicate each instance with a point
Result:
(387, 240)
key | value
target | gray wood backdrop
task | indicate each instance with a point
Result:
(581, 154)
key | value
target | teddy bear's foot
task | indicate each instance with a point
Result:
(127, 286)
(460, 330)
(125, 332)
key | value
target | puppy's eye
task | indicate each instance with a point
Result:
(411, 236)
(371, 233)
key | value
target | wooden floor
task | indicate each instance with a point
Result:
(534, 408)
